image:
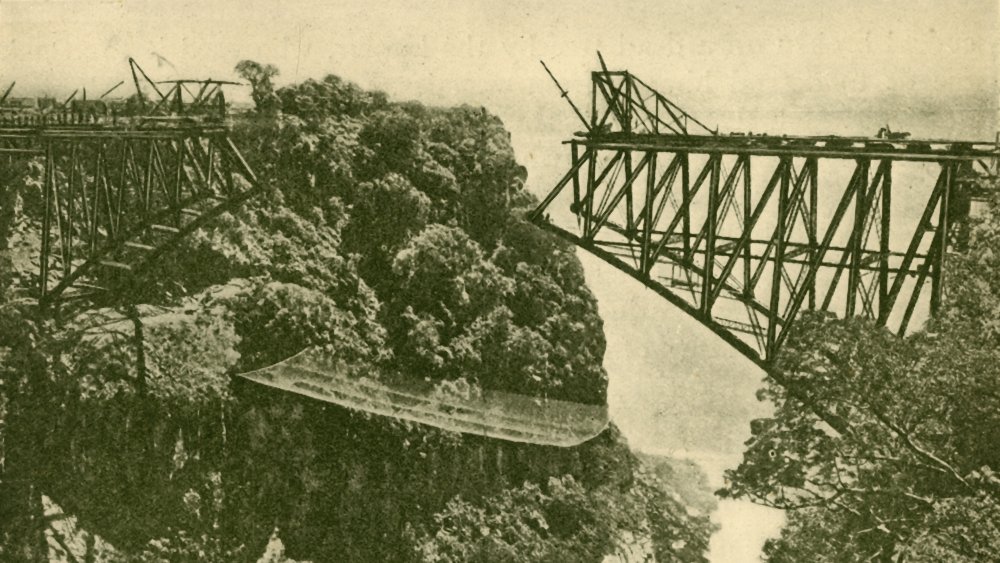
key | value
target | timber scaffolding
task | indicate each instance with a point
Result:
(677, 205)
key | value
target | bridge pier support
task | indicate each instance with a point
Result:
(941, 257)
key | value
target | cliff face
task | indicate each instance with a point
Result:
(390, 239)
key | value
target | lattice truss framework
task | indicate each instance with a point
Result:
(745, 232)
(120, 190)
(115, 201)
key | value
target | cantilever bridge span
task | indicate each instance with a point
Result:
(744, 231)
(118, 191)
(741, 231)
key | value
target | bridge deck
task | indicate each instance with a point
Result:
(927, 150)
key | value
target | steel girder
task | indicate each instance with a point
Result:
(743, 231)
(745, 242)
(115, 199)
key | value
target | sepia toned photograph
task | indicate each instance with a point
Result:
(711, 281)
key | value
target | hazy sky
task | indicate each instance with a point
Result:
(788, 66)
(734, 64)
(486, 52)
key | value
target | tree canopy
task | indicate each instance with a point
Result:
(913, 477)
(391, 237)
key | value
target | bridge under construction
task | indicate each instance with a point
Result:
(120, 190)
(743, 232)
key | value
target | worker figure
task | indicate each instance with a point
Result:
(887, 133)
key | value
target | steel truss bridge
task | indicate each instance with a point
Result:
(121, 189)
(744, 232)
(741, 231)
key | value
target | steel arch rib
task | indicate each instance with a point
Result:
(163, 215)
(661, 290)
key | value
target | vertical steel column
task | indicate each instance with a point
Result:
(98, 180)
(748, 225)
(574, 156)
(938, 274)
(647, 220)
(210, 181)
(147, 182)
(779, 255)
(883, 265)
(656, 120)
(996, 156)
(178, 217)
(107, 187)
(627, 110)
(813, 164)
(122, 185)
(47, 195)
(629, 223)
(57, 205)
(70, 209)
(857, 236)
(86, 211)
(588, 201)
(231, 186)
(593, 100)
(178, 101)
(713, 215)
(685, 204)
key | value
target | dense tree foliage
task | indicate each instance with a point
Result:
(569, 518)
(911, 475)
(262, 88)
(388, 235)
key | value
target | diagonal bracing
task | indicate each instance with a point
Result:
(745, 232)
